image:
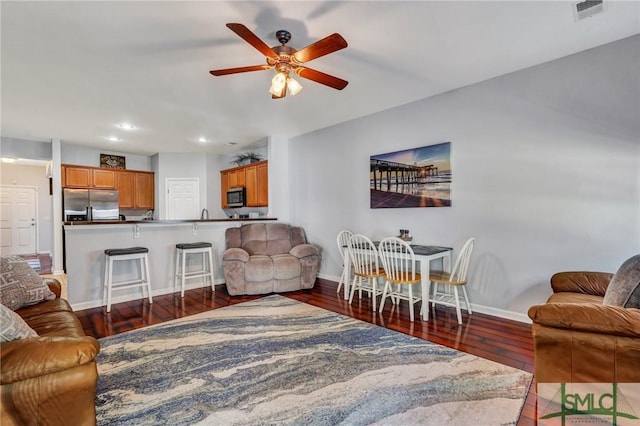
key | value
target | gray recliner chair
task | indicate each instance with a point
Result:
(265, 258)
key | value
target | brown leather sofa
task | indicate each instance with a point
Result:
(50, 379)
(268, 257)
(578, 339)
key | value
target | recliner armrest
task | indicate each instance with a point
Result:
(588, 317)
(304, 250)
(236, 254)
(594, 283)
(38, 356)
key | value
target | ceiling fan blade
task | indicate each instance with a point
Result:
(320, 48)
(240, 69)
(246, 34)
(322, 78)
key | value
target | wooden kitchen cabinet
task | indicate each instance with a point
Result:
(257, 180)
(224, 185)
(126, 192)
(263, 184)
(103, 178)
(144, 190)
(254, 177)
(76, 176)
(136, 189)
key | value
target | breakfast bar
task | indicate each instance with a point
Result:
(85, 242)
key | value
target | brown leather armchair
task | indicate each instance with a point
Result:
(578, 339)
(50, 379)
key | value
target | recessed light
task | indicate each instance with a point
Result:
(113, 139)
(202, 139)
(126, 126)
(232, 143)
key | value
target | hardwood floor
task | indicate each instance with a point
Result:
(504, 341)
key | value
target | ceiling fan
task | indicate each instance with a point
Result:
(286, 59)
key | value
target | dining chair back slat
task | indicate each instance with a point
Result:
(343, 240)
(461, 267)
(448, 295)
(366, 267)
(399, 264)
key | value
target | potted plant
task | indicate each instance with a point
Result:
(247, 157)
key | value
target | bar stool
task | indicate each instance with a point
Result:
(184, 249)
(131, 253)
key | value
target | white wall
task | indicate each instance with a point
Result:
(542, 186)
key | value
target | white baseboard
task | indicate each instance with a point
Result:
(128, 298)
(488, 310)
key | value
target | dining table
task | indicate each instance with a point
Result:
(424, 255)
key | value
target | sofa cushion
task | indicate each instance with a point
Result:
(253, 232)
(62, 324)
(13, 326)
(20, 285)
(259, 268)
(624, 288)
(285, 267)
(567, 297)
(48, 306)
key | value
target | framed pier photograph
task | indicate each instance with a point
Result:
(417, 177)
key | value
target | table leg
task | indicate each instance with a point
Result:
(425, 286)
(346, 261)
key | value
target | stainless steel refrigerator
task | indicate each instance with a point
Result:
(90, 204)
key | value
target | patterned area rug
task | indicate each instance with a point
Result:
(276, 361)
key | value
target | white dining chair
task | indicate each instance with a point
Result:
(366, 268)
(342, 241)
(445, 290)
(399, 264)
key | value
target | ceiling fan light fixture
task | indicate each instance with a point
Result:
(277, 83)
(293, 86)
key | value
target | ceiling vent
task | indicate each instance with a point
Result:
(587, 8)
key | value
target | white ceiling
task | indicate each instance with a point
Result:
(74, 70)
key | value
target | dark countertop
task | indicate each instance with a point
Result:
(166, 222)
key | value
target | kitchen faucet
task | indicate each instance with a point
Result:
(204, 214)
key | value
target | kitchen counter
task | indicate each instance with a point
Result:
(85, 243)
(165, 222)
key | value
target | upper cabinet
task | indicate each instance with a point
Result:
(76, 176)
(144, 190)
(136, 189)
(254, 177)
(257, 179)
(103, 178)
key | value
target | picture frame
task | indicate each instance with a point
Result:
(112, 161)
(416, 177)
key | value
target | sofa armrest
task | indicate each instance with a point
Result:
(588, 317)
(54, 286)
(236, 254)
(304, 250)
(594, 283)
(28, 358)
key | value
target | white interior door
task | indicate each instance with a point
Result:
(183, 198)
(18, 213)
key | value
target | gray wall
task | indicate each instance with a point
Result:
(87, 156)
(19, 148)
(546, 175)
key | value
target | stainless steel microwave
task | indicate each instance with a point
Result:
(236, 197)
